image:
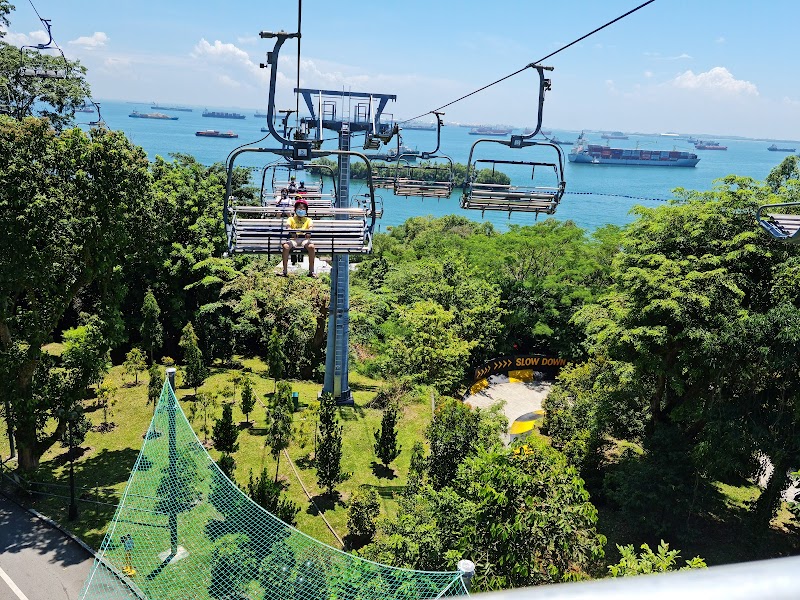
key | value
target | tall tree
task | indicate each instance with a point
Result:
(195, 368)
(224, 436)
(154, 385)
(362, 513)
(248, 397)
(151, 329)
(202, 405)
(71, 207)
(268, 494)
(276, 358)
(386, 446)
(329, 447)
(279, 423)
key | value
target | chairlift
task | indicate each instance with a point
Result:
(42, 72)
(263, 229)
(282, 172)
(780, 222)
(536, 197)
(428, 179)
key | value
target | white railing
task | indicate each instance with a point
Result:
(777, 579)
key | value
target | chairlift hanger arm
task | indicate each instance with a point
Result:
(272, 60)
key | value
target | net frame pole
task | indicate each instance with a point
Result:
(173, 462)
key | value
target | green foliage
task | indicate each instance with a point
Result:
(453, 435)
(135, 362)
(202, 405)
(233, 565)
(648, 562)
(195, 369)
(78, 425)
(417, 468)
(267, 494)
(151, 330)
(225, 432)
(279, 423)
(154, 385)
(85, 356)
(106, 399)
(227, 464)
(275, 356)
(248, 401)
(362, 513)
(386, 447)
(329, 446)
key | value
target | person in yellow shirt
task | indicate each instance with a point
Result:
(299, 223)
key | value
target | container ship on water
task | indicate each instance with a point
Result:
(222, 115)
(614, 135)
(215, 133)
(597, 154)
(701, 145)
(178, 108)
(421, 126)
(137, 115)
(499, 131)
(775, 148)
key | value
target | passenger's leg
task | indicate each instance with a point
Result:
(287, 248)
(312, 251)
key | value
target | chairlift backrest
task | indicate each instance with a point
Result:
(781, 221)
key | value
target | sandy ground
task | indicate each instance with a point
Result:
(520, 397)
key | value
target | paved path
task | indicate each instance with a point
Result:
(38, 562)
(520, 397)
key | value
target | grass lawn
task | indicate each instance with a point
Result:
(106, 458)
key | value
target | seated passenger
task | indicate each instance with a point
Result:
(292, 185)
(284, 201)
(300, 224)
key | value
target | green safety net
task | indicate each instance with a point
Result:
(184, 530)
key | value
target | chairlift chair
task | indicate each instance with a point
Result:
(428, 179)
(38, 71)
(264, 229)
(778, 221)
(535, 197)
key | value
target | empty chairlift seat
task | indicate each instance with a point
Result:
(781, 221)
(426, 180)
(510, 198)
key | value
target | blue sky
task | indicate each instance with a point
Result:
(702, 66)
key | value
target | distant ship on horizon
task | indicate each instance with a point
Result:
(701, 145)
(420, 126)
(775, 148)
(222, 115)
(156, 106)
(215, 133)
(161, 116)
(498, 131)
(614, 135)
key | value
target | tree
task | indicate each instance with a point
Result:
(361, 514)
(106, 398)
(225, 432)
(134, 363)
(279, 423)
(227, 464)
(248, 397)
(416, 469)
(73, 208)
(649, 562)
(267, 494)
(151, 330)
(386, 447)
(233, 565)
(203, 403)
(276, 358)
(452, 434)
(196, 371)
(154, 385)
(329, 447)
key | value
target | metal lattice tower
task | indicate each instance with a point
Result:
(183, 530)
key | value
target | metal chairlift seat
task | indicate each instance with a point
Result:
(384, 176)
(778, 223)
(426, 180)
(535, 198)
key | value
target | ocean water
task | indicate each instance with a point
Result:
(596, 194)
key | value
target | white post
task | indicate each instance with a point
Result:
(467, 568)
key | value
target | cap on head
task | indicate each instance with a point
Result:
(301, 202)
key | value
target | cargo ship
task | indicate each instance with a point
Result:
(490, 131)
(215, 133)
(614, 135)
(222, 115)
(597, 154)
(85, 109)
(178, 108)
(701, 145)
(260, 115)
(774, 148)
(137, 115)
(420, 126)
